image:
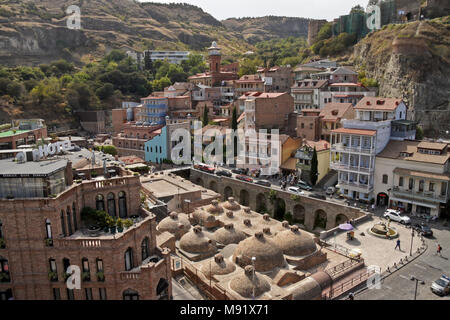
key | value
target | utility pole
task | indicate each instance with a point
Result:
(412, 238)
(417, 282)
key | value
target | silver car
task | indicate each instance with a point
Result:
(441, 286)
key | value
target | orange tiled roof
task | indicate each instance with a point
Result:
(361, 132)
(334, 111)
(377, 103)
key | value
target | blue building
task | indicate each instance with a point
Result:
(156, 148)
(154, 110)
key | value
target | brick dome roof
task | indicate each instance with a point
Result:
(249, 282)
(176, 223)
(294, 242)
(217, 266)
(195, 241)
(228, 235)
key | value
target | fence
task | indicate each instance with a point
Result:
(343, 267)
(339, 289)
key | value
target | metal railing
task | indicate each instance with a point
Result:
(419, 194)
(339, 289)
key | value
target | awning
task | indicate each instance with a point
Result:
(422, 204)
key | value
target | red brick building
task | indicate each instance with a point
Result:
(42, 236)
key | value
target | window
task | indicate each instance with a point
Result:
(310, 126)
(63, 223)
(4, 269)
(88, 293)
(122, 205)
(431, 187)
(102, 293)
(129, 259)
(385, 179)
(100, 203)
(74, 212)
(421, 185)
(443, 188)
(411, 184)
(69, 221)
(1, 230)
(111, 205)
(130, 295)
(70, 295)
(144, 249)
(56, 294)
(400, 181)
(86, 271)
(66, 264)
(52, 263)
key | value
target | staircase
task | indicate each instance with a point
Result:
(328, 180)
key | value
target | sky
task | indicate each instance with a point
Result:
(314, 9)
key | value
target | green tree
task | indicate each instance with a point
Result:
(148, 64)
(419, 133)
(357, 8)
(116, 55)
(205, 116)
(15, 89)
(105, 92)
(249, 66)
(314, 174)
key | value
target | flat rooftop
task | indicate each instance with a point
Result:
(162, 185)
(10, 168)
(11, 133)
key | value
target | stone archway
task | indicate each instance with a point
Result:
(244, 198)
(199, 182)
(213, 186)
(341, 218)
(279, 209)
(261, 203)
(320, 220)
(299, 214)
(227, 193)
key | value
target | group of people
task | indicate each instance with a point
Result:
(290, 179)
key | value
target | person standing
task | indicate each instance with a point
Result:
(439, 249)
(398, 245)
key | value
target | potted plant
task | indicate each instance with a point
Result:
(66, 276)
(48, 242)
(112, 225)
(4, 277)
(52, 276)
(2, 243)
(101, 276)
(119, 225)
(128, 223)
(86, 276)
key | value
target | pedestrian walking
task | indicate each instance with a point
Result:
(439, 249)
(351, 296)
(398, 245)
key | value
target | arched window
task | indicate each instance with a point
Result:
(63, 223)
(130, 295)
(74, 212)
(100, 203)
(48, 232)
(111, 205)
(4, 269)
(128, 259)
(69, 221)
(53, 275)
(144, 249)
(66, 264)
(122, 205)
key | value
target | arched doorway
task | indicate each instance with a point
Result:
(382, 199)
(227, 193)
(213, 186)
(261, 203)
(341, 218)
(130, 294)
(244, 198)
(199, 182)
(299, 214)
(162, 289)
(279, 209)
(320, 220)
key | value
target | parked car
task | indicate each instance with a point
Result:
(296, 190)
(441, 286)
(423, 229)
(224, 173)
(244, 178)
(330, 191)
(207, 169)
(240, 171)
(303, 185)
(264, 183)
(318, 196)
(395, 215)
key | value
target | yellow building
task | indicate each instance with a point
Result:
(304, 156)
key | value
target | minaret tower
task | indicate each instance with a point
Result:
(214, 58)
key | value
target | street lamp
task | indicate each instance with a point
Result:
(253, 264)
(417, 282)
(412, 237)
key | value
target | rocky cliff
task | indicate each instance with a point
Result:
(412, 61)
(267, 28)
(33, 32)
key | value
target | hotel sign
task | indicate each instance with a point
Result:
(45, 151)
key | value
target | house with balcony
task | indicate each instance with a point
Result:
(331, 117)
(154, 110)
(44, 229)
(306, 94)
(337, 75)
(304, 157)
(414, 176)
(345, 92)
(357, 143)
